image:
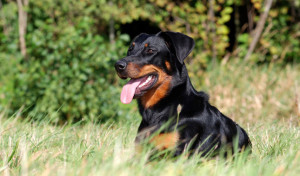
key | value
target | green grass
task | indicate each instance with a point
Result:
(43, 149)
(263, 100)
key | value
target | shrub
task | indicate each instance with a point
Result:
(68, 73)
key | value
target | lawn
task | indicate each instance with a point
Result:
(264, 100)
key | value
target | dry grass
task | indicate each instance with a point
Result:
(262, 99)
(251, 94)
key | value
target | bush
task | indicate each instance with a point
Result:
(74, 81)
(68, 73)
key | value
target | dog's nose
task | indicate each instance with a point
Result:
(120, 65)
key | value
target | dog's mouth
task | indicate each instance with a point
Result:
(136, 87)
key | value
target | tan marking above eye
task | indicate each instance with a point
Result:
(133, 43)
(146, 45)
(168, 65)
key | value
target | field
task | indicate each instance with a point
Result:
(265, 100)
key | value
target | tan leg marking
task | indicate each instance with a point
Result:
(165, 140)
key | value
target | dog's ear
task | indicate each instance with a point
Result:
(183, 44)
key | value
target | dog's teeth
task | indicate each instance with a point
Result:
(144, 83)
(148, 79)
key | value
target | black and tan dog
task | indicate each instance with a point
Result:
(160, 83)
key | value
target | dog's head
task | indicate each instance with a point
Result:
(151, 62)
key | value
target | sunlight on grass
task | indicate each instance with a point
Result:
(43, 149)
(266, 108)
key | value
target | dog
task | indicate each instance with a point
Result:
(159, 81)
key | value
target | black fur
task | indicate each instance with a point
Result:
(198, 121)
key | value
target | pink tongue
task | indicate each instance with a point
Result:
(129, 90)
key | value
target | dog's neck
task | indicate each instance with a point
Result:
(183, 94)
(163, 111)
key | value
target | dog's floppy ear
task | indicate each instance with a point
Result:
(183, 44)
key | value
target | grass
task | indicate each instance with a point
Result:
(264, 100)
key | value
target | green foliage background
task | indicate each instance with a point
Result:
(68, 72)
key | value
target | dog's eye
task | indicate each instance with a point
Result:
(150, 51)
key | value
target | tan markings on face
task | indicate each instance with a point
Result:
(165, 140)
(168, 65)
(155, 94)
(159, 90)
(133, 43)
(133, 70)
(146, 45)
